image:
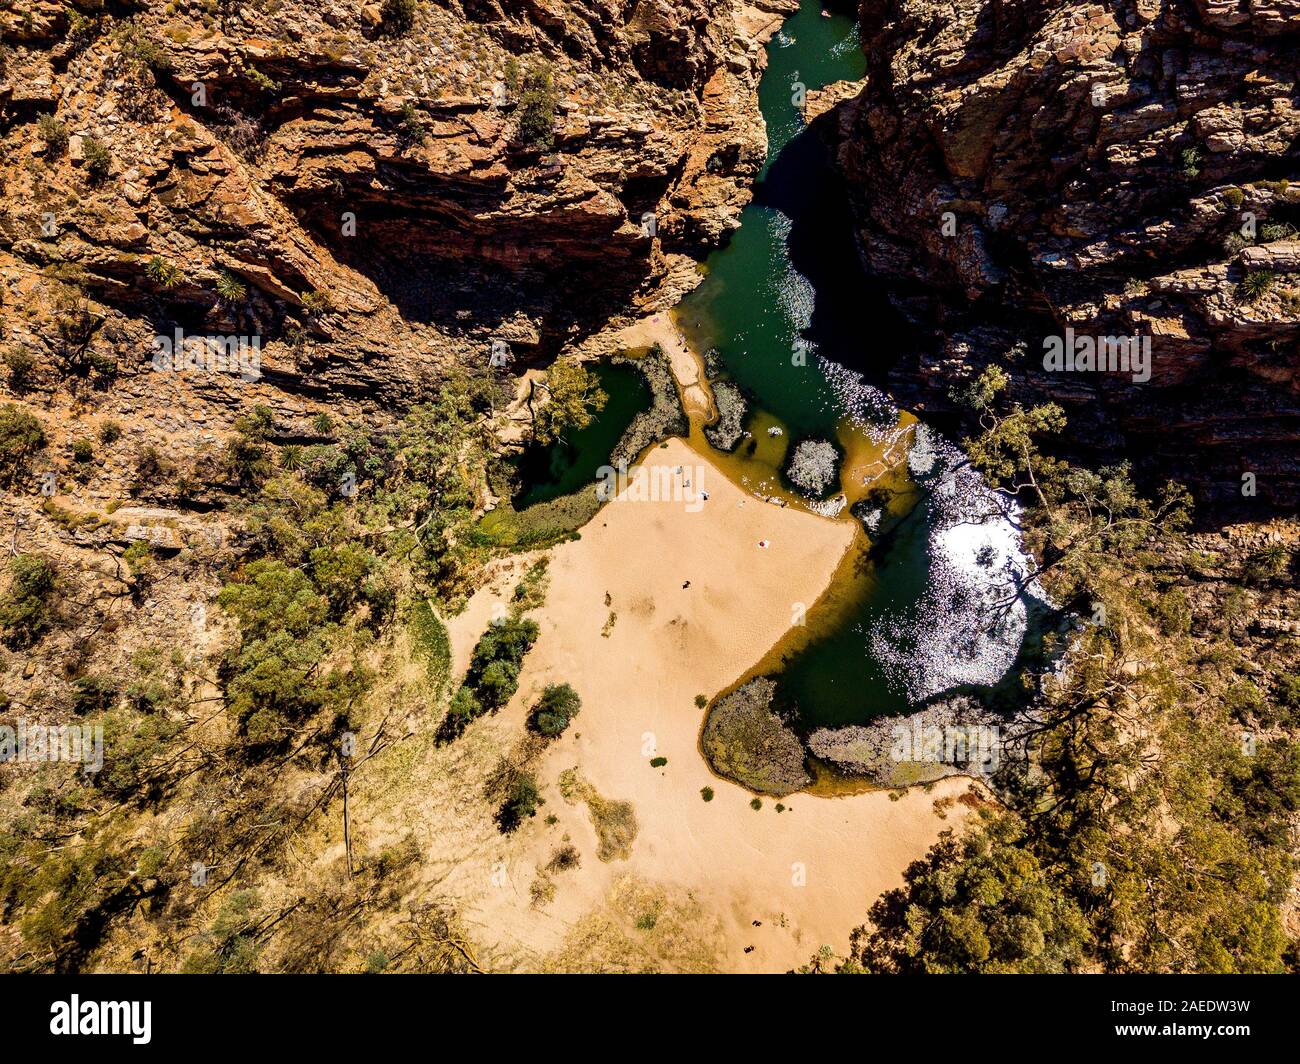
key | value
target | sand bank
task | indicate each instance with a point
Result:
(639, 645)
(686, 365)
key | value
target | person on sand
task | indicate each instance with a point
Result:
(762, 544)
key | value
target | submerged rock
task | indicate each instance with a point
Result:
(747, 742)
(871, 516)
(728, 429)
(814, 467)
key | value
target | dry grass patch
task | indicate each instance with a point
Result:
(614, 821)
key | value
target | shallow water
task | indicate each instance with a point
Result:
(934, 605)
(570, 464)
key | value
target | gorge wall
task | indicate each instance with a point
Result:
(1018, 168)
(358, 199)
(355, 199)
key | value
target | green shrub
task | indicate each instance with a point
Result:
(53, 133)
(397, 17)
(163, 273)
(430, 641)
(99, 160)
(465, 706)
(1174, 612)
(151, 468)
(142, 51)
(658, 762)
(82, 30)
(512, 74)
(1286, 695)
(522, 800)
(230, 289)
(1257, 285)
(537, 106)
(246, 456)
(1234, 242)
(21, 436)
(93, 694)
(530, 592)
(410, 125)
(20, 364)
(706, 793)
(27, 610)
(82, 451)
(557, 707)
(494, 668)
(317, 303)
(1267, 564)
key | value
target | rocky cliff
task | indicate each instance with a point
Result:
(1120, 170)
(341, 206)
(358, 200)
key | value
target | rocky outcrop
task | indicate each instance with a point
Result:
(745, 741)
(361, 204)
(359, 214)
(947, 738)
(728, 428)
(814, 467)
(1117, 169)
(664, 418)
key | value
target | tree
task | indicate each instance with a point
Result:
(277, 677)
(246, 453)
(574, 395)
(981, 903)
(557, 707)
(497, 682)
(522, 799)
(465, 706)
(538, 102)
(21, 436)
(27, 610)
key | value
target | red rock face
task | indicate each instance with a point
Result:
(1117, 168)
(364, 199)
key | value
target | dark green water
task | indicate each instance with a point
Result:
(782, 303)
(569, 464)
(794, 319)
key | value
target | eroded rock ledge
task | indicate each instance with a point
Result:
(1094, 163)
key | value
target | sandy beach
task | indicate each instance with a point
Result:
(687, 367)
(761, 890)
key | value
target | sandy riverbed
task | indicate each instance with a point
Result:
(808, 874)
